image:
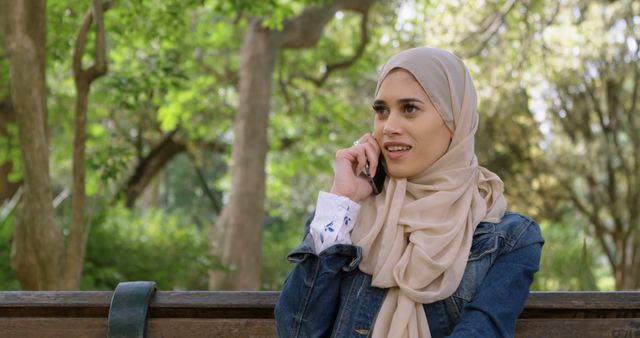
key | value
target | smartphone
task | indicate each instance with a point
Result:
(377, 181)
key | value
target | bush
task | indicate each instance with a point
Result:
(154, 245)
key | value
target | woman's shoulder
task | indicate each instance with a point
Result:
(518, 229)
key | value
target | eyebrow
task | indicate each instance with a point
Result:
(401, 101)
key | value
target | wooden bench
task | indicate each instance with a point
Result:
(188, 314)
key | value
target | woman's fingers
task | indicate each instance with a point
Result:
(350, 162)
(372, 152)
(361, 157)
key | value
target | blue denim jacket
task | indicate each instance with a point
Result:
(326, 295)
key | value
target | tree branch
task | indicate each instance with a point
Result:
(634, 127)
(593, 217)
(215, 200)
(100, 67)
(488, 29)
(282, 83)
(161, 154)
(151, 164)
(364, 40)
(610, 138)
(78, 230)
(306, 29)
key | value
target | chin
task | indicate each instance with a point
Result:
(397, 173)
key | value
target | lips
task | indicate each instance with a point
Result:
(396, 146)
(396, 150)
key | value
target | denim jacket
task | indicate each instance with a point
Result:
(326, 295)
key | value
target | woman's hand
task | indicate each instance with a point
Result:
(350, 161)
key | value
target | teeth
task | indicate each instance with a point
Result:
(398, 148)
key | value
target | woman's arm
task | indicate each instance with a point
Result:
(500, 298)
(310, 297)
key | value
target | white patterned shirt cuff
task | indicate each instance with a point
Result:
(333, 221)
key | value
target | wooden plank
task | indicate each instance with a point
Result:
(267, 299)
(197, 304)
(582, 305)
(55, 298)
(584, 300)
(234, 328)
(157, 328)
(53, 327)
(578, 328)
(213, 304)
(542, 313)
(220, 299)
(259, 305)
(200, 328)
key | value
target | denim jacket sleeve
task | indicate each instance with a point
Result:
(500, 298)
(310, 296)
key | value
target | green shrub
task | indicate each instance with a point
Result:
(152, 245)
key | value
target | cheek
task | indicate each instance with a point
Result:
(439, 141)
(434, 138)
(377, 129)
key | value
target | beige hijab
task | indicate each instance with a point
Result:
(416, 236)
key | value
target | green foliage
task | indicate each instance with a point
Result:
(280, 237)
(10, 152)
(570, 258)
(4, 73)
(272, 12)
(182, 192)
(153, 245)
(8, 279)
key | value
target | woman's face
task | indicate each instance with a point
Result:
(409, 130)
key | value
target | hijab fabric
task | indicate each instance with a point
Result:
(416, 236)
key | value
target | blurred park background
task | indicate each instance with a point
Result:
(185, 141)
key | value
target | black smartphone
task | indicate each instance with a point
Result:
(377, 181)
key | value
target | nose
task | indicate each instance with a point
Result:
(392, 125)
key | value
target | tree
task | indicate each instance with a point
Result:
(37, 240)
(83, 77)
(240, 223)
(594, 109)
(40, 259)
(157, 100)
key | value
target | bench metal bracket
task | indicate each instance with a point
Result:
(128, 310)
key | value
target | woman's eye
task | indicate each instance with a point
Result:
(380, 110)
(410, 108)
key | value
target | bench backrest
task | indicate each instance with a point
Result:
(187, 314)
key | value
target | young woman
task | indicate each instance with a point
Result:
(434, 253)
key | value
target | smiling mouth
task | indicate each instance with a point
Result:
(393, 149)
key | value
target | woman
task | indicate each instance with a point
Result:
(435, 253)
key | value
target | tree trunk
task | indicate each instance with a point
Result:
(629, 280)
(243, 214)
(37, 253)
(78, 231)
(236, 239)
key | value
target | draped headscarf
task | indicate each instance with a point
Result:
(416, 236)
